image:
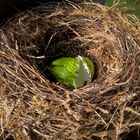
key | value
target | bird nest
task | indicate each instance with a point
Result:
(34, 107)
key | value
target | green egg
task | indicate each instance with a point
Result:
(73, 72)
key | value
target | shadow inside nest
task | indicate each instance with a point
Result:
(56, 45)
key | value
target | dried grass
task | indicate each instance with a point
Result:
(34, 107)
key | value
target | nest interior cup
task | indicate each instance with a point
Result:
(34, 105)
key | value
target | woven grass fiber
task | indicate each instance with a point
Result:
(34, 107)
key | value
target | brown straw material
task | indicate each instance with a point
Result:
(34, 107)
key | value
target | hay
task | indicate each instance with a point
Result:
(34, 107)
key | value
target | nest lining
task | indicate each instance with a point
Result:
(33, 105)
